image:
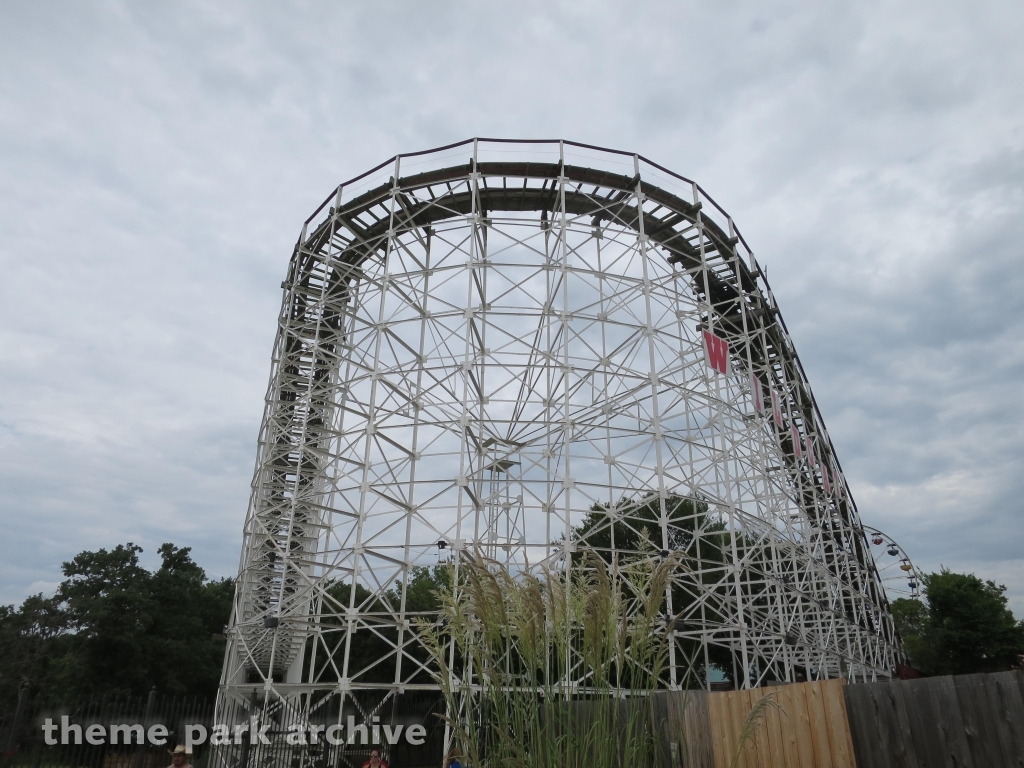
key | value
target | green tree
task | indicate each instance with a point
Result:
(965, 627)
(110, 608)
(374, 644)
(114, 627)
(189, 611)
(31, 638)
(628, 524)
(634, 526)
(911, 620)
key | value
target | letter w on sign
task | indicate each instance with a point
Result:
(716, 351)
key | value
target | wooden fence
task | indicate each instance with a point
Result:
(968, 721)
(971, 721)
(683, 717)
(804, 727)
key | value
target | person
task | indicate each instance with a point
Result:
(375, 761)
(451, 760)
(179, 757)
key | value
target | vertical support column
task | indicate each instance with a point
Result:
(566, 432)
(726, 454)
(467, 459)
(658, 433)
(359, 553)
(415, 404)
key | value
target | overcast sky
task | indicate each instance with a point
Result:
(157, 161)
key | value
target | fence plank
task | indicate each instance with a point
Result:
(890, 739)
(860, 710)
(681, 701)
(805, 742)
(762, 736)
(906, 736)
(838, 725)
(921, 728)
(697, 718)
(701, 717)
(1005, 697)
(721, 727)
(773, 729)
(990, 689)
(978, 718)
(882, 717)
(752, 752)
(786, 731)
(922, 700)
(660, 711)
(760, 755)
(818, 727)
(739, 707)
(951, 724)
(802, 726)
(675, 726)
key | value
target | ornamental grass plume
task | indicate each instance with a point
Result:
(756, 719)
(552, 669)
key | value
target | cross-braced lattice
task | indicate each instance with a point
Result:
(523, 349)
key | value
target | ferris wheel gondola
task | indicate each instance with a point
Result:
(899, 576)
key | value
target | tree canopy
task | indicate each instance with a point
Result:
(115, 628)
(965, 626)
(633, 525)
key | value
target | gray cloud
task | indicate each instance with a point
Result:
(156, 163)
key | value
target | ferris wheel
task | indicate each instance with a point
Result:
(899, 576)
